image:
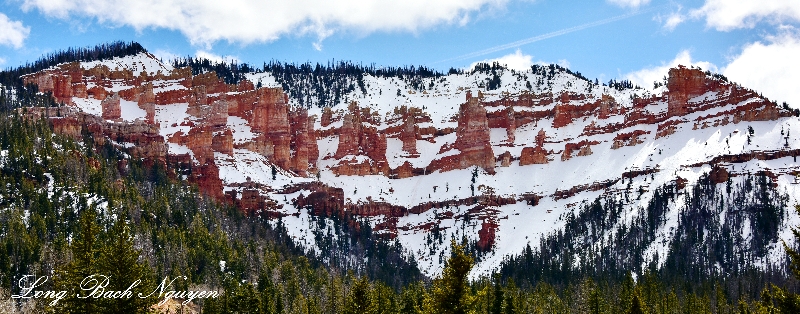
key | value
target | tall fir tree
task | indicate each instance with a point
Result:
(120, 261)
(358, 300)
(85, 249)
(451, 293)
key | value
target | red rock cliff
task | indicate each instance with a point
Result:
(472, 135)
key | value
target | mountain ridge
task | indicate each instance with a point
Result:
(387, 149)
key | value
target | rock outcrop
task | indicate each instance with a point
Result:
(409, 136)
(357, 140)
(303, 142)
(537, 154)
(486, 235)
(213, 123)
(111, 108)
(349, 135)
(511, 128)
(533, 155)
(472, 139)
(683, 84)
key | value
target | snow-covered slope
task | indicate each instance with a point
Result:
(599, 141)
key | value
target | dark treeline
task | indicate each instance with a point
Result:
(230, 73)
(325, 85)
(322, 85)
(14, 93)
(621, 85)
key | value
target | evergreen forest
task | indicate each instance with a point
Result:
(70, 210)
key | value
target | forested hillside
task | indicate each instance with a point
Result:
(206, 177)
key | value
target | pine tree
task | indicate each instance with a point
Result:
(358, 300)
(790, 302)
(119, 260)
(637, 306)
(85, 252)
(412, 299)
(450, 293)
(497, 302)
(596, 302)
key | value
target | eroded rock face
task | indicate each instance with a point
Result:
(566, 111)
(505, 159)
(271, 117)
(111, 109)
(349, 136)
(223, 142)
(209, 181)
(358, 139)
(472, 140)
(269, 111)
(327, 115)
(511, 128)
(683, 83)
(218, 115)
(486, 235)
(472, 136)
(60, 84)
(200, 140)
(313, 148)
(583, 147)
(286, 136)
(533, 155)
(303, 143)
(373, 144)
(409, 136)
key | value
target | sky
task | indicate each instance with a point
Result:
(753, 42)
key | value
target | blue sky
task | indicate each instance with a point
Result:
(756, 43)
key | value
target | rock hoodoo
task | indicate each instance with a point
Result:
(472, 136)
(409, 136)
(111, 108)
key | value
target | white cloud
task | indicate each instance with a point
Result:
(165, 55)
(204, 22)
(564, 63)
(2, 60)
(726, 15)
(673, 20)
(516, 61)
(629, 3)
(645, 77)
(12, 33)
(215, 57)
(770, 68)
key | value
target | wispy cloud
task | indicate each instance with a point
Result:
(12, 33)
(543, 37)
(671, 20)
(165, 55)
(629, 3)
